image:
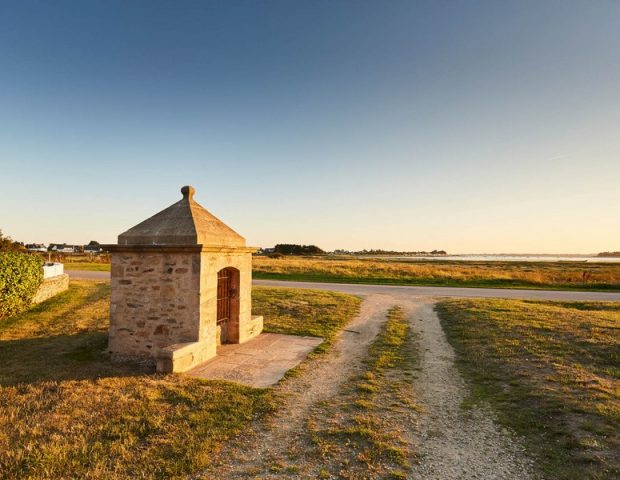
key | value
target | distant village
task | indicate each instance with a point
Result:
(93, 247)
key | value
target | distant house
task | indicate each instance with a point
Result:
(36, 247)
(64, 248)
(92, 249)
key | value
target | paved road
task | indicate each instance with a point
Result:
(79, 275)
(358, 289)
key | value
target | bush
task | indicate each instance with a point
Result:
(293, 249)
(20, 277)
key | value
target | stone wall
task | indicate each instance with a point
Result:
(154, 301)
(50, 287)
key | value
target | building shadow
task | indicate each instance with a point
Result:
(78, 356)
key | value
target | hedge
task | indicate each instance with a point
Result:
(20, 277)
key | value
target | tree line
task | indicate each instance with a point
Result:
(293, 249)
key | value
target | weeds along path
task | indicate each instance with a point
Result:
(263, 453)
(453, 443)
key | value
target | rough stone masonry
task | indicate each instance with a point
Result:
(181, 285)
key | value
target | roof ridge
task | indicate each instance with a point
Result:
(185, 222)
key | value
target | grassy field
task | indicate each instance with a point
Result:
(559, 275)
(66, 410)
(554, 275)
(88, 266)
(552, 373)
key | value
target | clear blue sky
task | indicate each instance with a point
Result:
(468, 126)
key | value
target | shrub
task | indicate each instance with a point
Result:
(8, 245)
(20, 277)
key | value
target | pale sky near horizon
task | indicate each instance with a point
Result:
(469, 126)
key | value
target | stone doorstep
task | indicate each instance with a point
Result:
(228, 349)
(253, 352)
(251, 361)
(260, 362)
(181, 357)
(214, 370)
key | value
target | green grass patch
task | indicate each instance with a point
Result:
(362, 427)
(551, 370)
(66, 410)
(313, 313)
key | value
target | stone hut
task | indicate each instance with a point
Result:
(181, 286)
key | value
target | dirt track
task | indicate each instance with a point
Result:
(450, 443)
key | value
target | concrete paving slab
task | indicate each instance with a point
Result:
(261, 362)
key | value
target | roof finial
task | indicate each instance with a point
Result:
(188, 192)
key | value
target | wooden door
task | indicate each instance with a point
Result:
(223, 303)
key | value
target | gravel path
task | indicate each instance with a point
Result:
(453, 443)
(270, 445)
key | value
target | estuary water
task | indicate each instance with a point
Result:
(505, 258)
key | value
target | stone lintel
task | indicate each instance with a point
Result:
(114, 248)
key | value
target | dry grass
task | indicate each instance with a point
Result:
(66, 411)
(552, 372)
(473, 274)
(119, 427)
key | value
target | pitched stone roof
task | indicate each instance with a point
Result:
(182, 223)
